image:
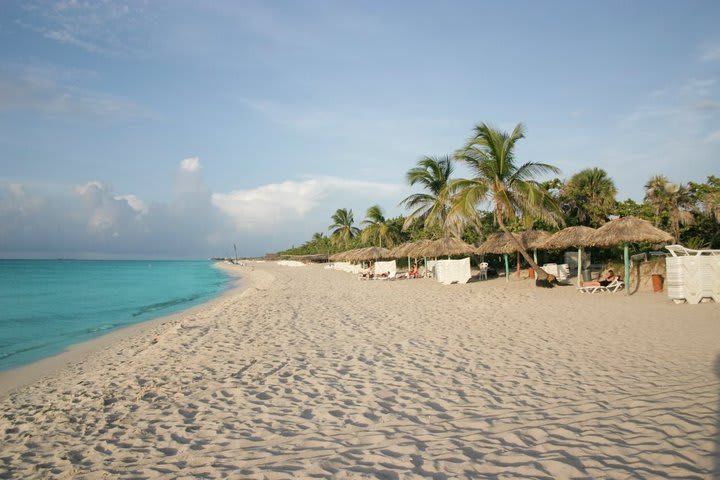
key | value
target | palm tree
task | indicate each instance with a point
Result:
(679, 205)
(510, 189)
(431, 207)
(589, 197)
(670, 199)
(378, 228)
(342, 227)
(655, 196)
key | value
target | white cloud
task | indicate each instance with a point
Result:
(135, 202)
(55, 90)
(710, 53)
(271, 205)
(91, 218)
(90, 187)
(190, 164)
(106, 28)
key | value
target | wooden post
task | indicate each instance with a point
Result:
(627, 269)
(518, 264)
(507, 268)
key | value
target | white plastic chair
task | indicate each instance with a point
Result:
(483, 271)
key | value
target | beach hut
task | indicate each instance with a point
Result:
(502, 244)
(410, 249)
(571, 237)
(370, 254)
(625, 230)
(447, 246)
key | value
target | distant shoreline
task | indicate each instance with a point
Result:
(23, 375)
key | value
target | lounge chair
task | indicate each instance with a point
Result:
(612, 287)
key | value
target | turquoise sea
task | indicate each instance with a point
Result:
(47, 305)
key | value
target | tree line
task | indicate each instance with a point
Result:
(505, 195)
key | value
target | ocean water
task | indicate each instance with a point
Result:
(47, 305)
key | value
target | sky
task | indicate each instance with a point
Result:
(175, 129)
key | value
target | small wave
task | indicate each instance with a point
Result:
(11, 353)
(100, 328)
(163, 305)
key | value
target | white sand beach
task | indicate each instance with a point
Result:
(311, 373)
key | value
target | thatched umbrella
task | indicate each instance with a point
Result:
(575, 237)
(447, 246)
(339, 257)
(627, 230)
(410, 249)
(370, 253)
(499, 243)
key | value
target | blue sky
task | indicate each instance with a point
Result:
(175, 128)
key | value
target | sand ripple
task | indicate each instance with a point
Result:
(312, 374)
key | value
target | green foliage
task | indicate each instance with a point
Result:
(510, 189)
(672, 204)
(588, 198)
(342, 227)
(378, 230)
(430, 208)
(691, 213)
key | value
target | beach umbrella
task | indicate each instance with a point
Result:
(402, 251)
(447, 246)
(499, 243)
(338, 257)
(371, 253)
(571, 237)
(625, 230)
(412, 249)
(534, 240)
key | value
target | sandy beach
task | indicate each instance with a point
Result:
(311, 373)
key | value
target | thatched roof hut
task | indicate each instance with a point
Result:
(338, 257)
(628, 230)
(570, 237)
(447, 246)
(499, 243)
(410, 249)
(534, 239)
(624, 230)
(369, 253)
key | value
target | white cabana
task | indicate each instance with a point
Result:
(389, 267)
(452, 271)
(346, 267)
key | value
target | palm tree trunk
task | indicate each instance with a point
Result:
(541, 274)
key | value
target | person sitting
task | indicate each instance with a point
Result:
(610, 277)
(414, 272)
(368, 273)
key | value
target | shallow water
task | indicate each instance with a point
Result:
(47, 305)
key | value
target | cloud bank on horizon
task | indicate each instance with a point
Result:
(175, 130)
(91, 220)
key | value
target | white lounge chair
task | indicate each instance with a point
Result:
(612, 287)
